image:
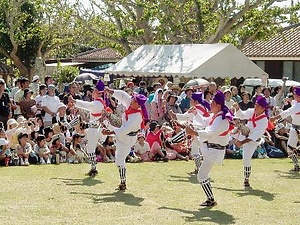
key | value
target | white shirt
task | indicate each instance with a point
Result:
(95, 108)
(295, 108)
(142, 149)
(52, 103)
(212, 132)
(257, 131)
(134, 121)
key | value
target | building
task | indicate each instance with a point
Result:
(280, 55)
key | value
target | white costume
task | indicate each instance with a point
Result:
(126, 134)
(197, 123)
(124, 142)
(94, 132)
(257, 126)
(214, 137)
(293, 140)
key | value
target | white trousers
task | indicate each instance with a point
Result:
(93, 135)
(123, 147)
(248, 150)
(293, 139)
(210, 157)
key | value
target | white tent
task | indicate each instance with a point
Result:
(188, 60)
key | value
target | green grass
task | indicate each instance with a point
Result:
(158, 193)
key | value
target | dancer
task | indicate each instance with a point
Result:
(216, 137)
(199, 106)
(94, 132)
(257, 123)
(132, 122)
(294, 112)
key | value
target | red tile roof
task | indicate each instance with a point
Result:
(99, 54)
(285, 44)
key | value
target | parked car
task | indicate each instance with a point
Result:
(249, 83)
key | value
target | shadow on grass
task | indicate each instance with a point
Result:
(249, 191)
(88, 181)
(118, 196)
(190, 178)
(288, 174)
(205, 215)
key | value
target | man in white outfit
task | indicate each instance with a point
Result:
(216, 137)
(132, 122)
(293, 140)
(201, 107)
(257, 124)
(94, 132)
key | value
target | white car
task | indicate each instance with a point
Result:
(249, 83)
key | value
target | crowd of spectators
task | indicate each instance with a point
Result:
(35, 121)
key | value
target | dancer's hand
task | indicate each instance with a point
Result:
(108, 91)
(192, 110)
(190, 131)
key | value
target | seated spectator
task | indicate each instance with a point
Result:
(153, 138)
(77, 153)
(24, 149)
(48, 132)
(26, 104)
(58, 150)
(4, 152)
(246, 103)
(42, 150)
(109, 148)
(142, 148)
(281, 137)
(235, 94)
(171, 105)
(12, 126)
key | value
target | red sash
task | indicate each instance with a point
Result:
(130, 111)
(230, 128)
(103, 103)
(256, 118)
(203, 110)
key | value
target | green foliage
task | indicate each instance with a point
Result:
(65, 74)
(186, 21)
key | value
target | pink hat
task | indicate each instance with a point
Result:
(130, 84)
(140, 135)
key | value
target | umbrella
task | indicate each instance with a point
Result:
(196, 82)
(86, 77)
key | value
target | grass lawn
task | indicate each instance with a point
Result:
(158, 193)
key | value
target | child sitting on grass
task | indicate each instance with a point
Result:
(142, 148)
(42, 150)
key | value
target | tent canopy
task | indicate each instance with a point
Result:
(187, 60)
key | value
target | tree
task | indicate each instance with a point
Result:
(32, 30)
(124, 22)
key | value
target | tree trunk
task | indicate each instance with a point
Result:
(24, 72)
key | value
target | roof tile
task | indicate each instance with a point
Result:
(285, 44)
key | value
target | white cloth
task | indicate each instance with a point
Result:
(94, 107)
(93, 134)
(261, 125)
(124, 142)
(212, 132)
(52, 103)
(293, 136)
(142, 149)
(292, 112)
